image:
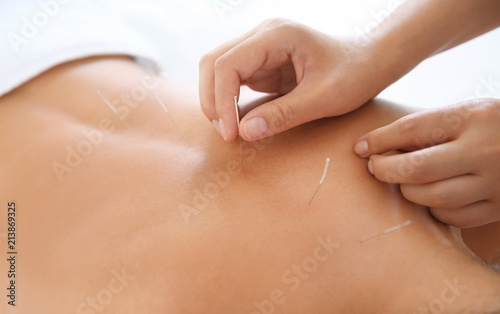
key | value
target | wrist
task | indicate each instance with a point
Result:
(391, 57)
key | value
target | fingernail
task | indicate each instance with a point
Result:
(255, 128)
(370, 166)
(361, 148)
(216, 126)
(222, 129)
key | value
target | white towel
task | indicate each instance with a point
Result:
(38, 35)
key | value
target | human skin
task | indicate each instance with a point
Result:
(128, 207)
(319, 75)
(451, 163)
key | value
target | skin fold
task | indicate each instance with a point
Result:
(154, 221)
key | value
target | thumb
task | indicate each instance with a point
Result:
(278, 115)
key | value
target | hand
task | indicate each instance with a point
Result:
(317, 76)
(452, 164)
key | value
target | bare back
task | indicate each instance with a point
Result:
(157, 213)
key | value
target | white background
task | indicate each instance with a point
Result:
(184, 30)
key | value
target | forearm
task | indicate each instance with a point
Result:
(420, 29)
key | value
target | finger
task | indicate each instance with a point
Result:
(279, 115)
(282, 80)
(421, 129)
(451, 193)
(206, 72)
(422, 166)
(238, 65)
(472, 215)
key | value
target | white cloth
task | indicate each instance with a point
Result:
(38, 35)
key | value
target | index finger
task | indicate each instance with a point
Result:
(238, 65)
(207, 75)
(417, 130)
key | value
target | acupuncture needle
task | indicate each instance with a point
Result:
(169, 115)
(238, 123)
(402, 225)
(114, 111)
(322, 179)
